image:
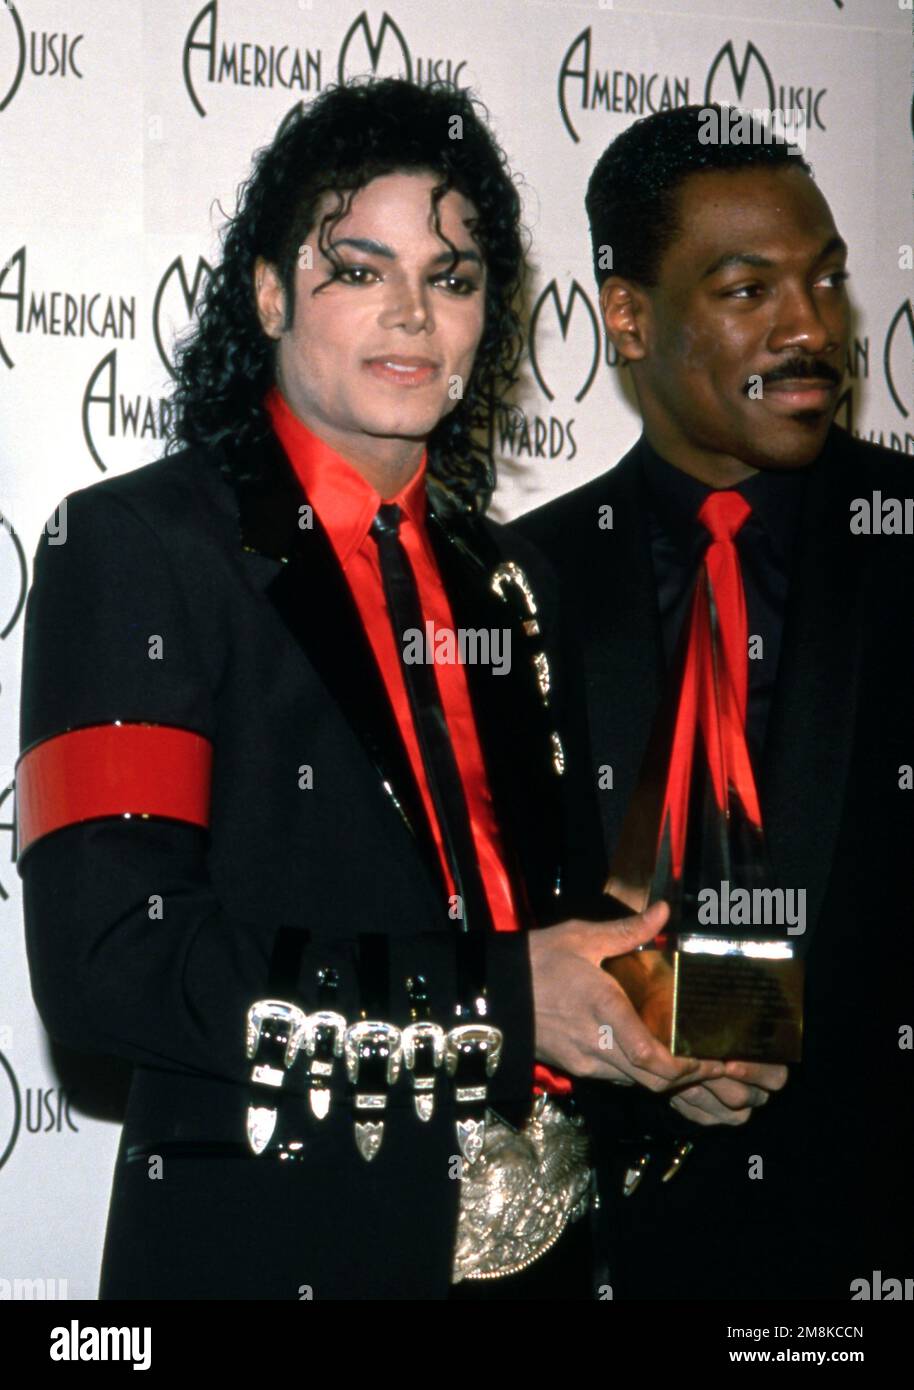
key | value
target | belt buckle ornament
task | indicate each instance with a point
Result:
(521, 1193)
(274, 1035)
(424, 1046)
(323, 1044)
(473, 1054)
(374, 1053)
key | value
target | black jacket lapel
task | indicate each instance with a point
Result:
(309, 591)
(512, 721)
(810, 733)
(616, 598)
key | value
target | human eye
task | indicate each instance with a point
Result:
(356, 275)
(743, 291)
(839, 278)
(456, 284)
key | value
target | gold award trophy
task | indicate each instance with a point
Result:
(723, 979)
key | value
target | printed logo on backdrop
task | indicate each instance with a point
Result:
(47, 1110)
(13, 581)
(39, 52)
(563, 344)
(8, 826)
(211, 60)
(13, 589)
(27, 310)
(747, 82)
(10, 1109)
(896, 361)
(173, 307)
(896, 358)
(587, 85)
(115, 422)
(897, 354)
(384, 52)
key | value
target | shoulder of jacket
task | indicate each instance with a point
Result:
(175, 494)
(568, 508)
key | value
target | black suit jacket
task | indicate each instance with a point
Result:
(833, 1203)
(263, 652)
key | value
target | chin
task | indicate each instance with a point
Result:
(796, 445)
(403, 424)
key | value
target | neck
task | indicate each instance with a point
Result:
(386, 463)
(715, 470)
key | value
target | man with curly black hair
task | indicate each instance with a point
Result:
(722, 285)
(288, 786)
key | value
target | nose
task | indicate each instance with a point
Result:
(800, 323)
(409, 307)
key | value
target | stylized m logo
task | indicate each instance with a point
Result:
(903, 349)
(563, 314)
(190, 293)
(739, 76)
(374, 47)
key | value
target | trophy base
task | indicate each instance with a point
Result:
(718, 998)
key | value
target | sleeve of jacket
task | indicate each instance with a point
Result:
(171, 988)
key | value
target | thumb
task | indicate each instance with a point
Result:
(628, 932)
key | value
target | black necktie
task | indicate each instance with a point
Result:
(434, 739)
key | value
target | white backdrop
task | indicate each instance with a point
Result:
(123, 125)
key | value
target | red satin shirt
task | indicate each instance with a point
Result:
(346, 505)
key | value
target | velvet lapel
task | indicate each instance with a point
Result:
(810, 731)
(308, 589)
(511, 719)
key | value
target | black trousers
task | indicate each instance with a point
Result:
(564, 1272)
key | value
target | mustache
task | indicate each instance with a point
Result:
(803, 369)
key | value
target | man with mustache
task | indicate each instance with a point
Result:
(724, 296)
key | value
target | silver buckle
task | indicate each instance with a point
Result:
(414, 1036)
(261, 1119)
(321, 1068)
(379, 1037)
(468, 1045)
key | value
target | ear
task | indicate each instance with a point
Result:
(625, 312)
(269, 297)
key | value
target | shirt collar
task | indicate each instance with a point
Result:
(775, 496)
(345, 502)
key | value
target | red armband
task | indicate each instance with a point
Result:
(117, 769)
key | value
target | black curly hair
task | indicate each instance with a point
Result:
(352, 133)
(631, 196)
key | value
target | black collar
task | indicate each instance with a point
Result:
(775, 496)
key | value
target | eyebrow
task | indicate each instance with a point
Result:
(378, 248)
(734, 258)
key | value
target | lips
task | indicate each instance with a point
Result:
(403, 371)
(805, 393)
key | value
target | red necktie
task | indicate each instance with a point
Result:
(715, 680)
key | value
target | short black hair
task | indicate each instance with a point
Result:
(632, 192)
(352, 133)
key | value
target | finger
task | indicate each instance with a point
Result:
(618, 938)
(637, 1051)
(735, 1094)
(704, 1109)
(691, 1112)
(644, 1058)
(593, 1067)
(773, 1077)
